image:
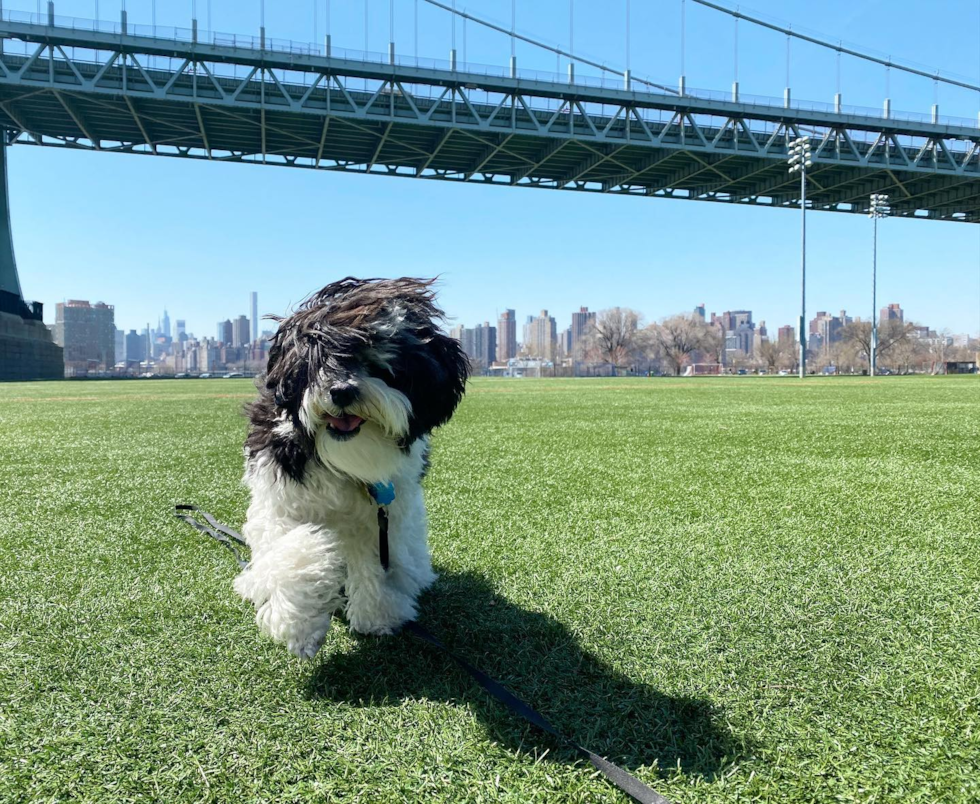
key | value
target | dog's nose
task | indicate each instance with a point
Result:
(342, 394)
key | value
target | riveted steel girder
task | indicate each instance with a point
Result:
(139, 94)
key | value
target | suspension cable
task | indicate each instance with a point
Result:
(683, 34)
(560, 51)
(831, 46)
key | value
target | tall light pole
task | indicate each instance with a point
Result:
(799, 161)
(879, 209)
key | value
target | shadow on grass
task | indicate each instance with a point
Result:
(537, 658)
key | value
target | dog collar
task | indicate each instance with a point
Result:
(382, 493)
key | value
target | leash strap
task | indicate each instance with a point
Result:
(383, 536)
(624, 780)
(218, 531)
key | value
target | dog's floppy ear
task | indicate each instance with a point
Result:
(287, 373)
(437, 370)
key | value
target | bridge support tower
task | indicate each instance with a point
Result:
(27, 350)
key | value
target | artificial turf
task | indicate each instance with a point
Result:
(743, 589)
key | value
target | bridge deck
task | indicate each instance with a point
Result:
(139, 94)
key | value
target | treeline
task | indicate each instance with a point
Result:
(620, 339)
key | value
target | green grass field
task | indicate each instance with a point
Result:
(742, 589)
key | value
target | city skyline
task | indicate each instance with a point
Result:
(816, 300)
(92, 343)
(772, 324)
(573, 327)
(564, 321)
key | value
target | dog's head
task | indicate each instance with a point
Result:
(361, 371)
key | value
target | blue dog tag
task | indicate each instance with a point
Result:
(382, 493)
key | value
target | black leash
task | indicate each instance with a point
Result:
(217, 530)
(625, 781)
(383, 536)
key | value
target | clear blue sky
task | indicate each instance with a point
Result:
(144, 233)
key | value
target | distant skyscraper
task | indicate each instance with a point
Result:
(485, 344)
(581, 323)
(479, 343)
(465, 338)
(565, 348)
(740, 318)
(699, 313)
(829, 328)
(526, 334)
(88, 334)
(135, 348)
(166, 323)
(787, 334)
(255, 316)
(761, 336)
(181, 330)
(506, 336)
(541, 337)
(731, 320)
(738, 332)
(225, 332)
(120, 345)
(893, 312)
(240, 331)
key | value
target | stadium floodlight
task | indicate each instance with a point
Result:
(879, 209)
(799, 161)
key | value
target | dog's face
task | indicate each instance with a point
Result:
(359, 373)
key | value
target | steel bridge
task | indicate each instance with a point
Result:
(246, 99)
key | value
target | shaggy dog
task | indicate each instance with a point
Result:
(357, 378)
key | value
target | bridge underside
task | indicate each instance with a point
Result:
(234, 104)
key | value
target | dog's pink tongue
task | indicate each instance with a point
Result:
(345, 423)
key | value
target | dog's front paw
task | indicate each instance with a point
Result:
(381, 613)
(302, 637)
(307, 647)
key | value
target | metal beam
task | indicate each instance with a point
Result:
(204, 133)
(381, 144)
(441, 140)
(77, 118)
(587, 165)
(131, 105)
(647, 164)
(546, 153)
(323, 140)
(8, 109)
(488, 155)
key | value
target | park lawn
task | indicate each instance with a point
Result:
(742, 589)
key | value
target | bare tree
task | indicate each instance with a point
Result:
(615, 337)
(845, 356)
(890, 333)
(822, 360)
(963, 354)
(940, 349)
(678, 336)
(773, 354)
(904, 355)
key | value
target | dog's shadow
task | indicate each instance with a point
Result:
(538, 659)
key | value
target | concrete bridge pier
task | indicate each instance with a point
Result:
(27, 349)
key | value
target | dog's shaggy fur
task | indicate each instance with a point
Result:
(357, 378)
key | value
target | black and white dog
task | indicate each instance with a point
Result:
(357, 378)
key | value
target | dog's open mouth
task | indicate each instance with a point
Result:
(344, 426)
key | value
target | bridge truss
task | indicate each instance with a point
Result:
(243, 101)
